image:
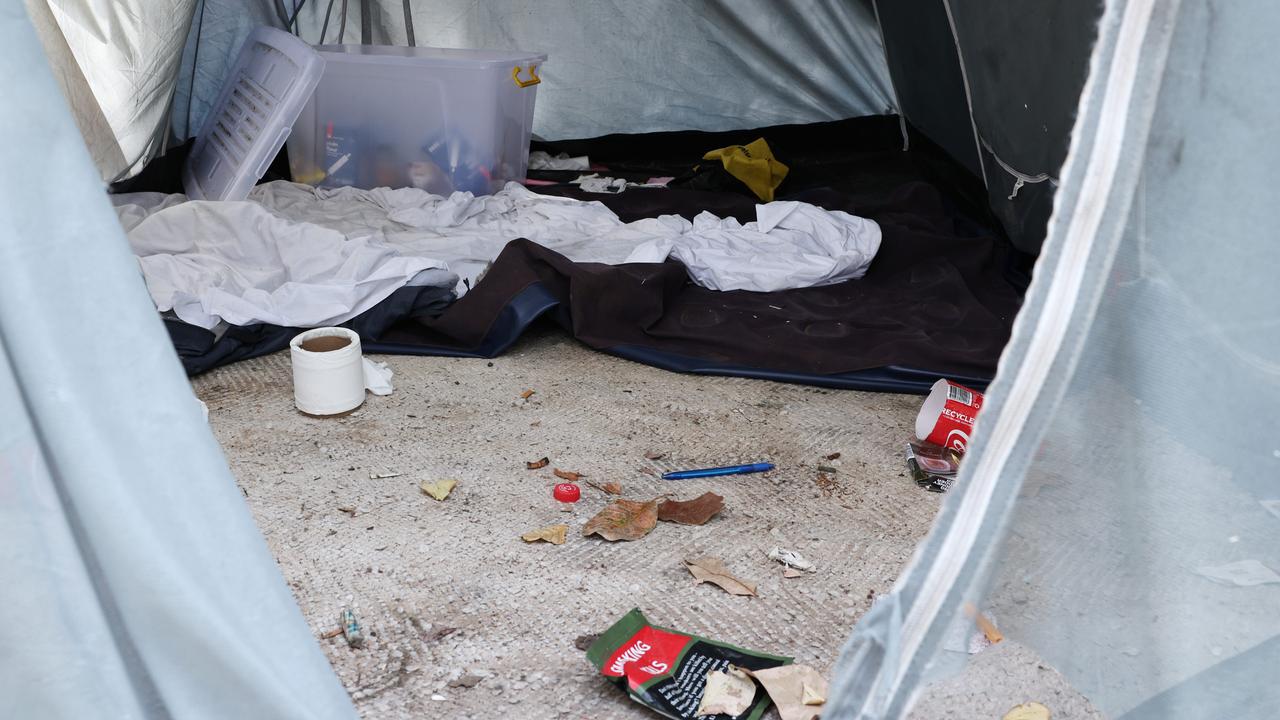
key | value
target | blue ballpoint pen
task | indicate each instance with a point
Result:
(712, 472)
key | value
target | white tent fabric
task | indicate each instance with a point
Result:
(218, 30)
(117, 64)
(616, 66)
(1119, 497)
(1117, 509)
(136, 583)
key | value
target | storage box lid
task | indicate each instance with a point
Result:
(273, 77)
(452, 57)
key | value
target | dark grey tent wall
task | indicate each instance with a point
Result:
(925, 70)
(1024, 65)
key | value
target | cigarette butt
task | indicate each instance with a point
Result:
(988, 629)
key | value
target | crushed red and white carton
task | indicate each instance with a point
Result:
(946, 418)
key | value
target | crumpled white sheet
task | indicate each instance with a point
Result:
(791, 245)
(543, 160)
(238, 262)
(465, 232)
(301, 256)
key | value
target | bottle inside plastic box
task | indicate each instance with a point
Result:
(436, 119)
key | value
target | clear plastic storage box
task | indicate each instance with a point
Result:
(440, 120)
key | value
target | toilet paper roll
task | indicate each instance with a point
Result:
(328, 371)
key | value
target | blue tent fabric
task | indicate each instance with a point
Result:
(136, 582)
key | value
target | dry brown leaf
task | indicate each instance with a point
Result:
(623, 520)
(654, 455)
(824, 483)
(439, 489)
(728, 692)
(832, 456)
(648, 471)
(790, 572)
(612, 488)
(691, 512)
(712, 570)
(526, 394)
(794, 689)
(567, 475)
(538, 464)
(554, 534)
(438, 633)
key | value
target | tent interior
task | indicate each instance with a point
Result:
(747, 231)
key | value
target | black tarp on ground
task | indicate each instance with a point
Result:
(936, 300)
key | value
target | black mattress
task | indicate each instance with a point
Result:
(938, 300)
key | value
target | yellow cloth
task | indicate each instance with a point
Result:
(754, 165)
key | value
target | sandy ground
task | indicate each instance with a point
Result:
(447, 589)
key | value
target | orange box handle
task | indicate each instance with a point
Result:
(533, 77)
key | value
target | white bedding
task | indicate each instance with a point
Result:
(300, 256)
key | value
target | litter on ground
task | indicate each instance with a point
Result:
(791, 559)
(1028, 711)
(727, 692)
(691, 512)
(798, 691)
(672, 672)
(554, 534)
(623, 520)
(351, 628)
(712, 570)
(438, 489)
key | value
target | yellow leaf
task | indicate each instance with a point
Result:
(554, 534)
(439, 489)
(1028, 711)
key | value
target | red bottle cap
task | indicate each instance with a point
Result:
(566, 492)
